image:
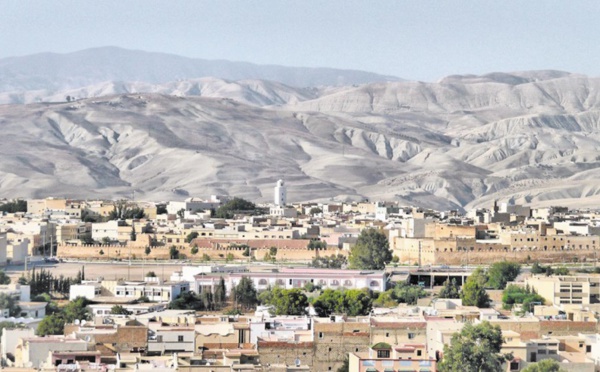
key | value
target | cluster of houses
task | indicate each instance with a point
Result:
(403, 338)
(151, 336)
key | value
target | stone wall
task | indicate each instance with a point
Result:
(487, 256)
(111, 252)
(114, 252)
(277, 352)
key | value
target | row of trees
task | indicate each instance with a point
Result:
(536, 268)
(14, 206)
(295, 301)
(43, 281)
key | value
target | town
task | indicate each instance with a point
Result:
(223, 284)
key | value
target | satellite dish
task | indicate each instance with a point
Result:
(298, 362)
(76, 322)
(88, 338)
(83, 322)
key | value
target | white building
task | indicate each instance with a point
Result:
(10, 339)
(17, 249)
(19, 292)
(280, 194)
(297, 278)
(192, 205)
(87, 289)
(108, 230)
(156, 292)
(3, 249)
(33, 309)
(104, 310)
(171, 339)
(33, 351)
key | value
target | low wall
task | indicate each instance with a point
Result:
(112, 252)
(477, 257)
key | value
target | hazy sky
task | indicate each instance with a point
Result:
(419, 39)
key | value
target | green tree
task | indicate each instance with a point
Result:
(236, 205)
(161, 209)
(119, 310)
(220, 295)
(133, 234)
(246, 251)
(473, 292)
(86, 238)
(330, 262)
(207, 298)
(244, 293)
(273, 251)
(501, 273)
(9, 302)
(191, 236)
(4, 279)
(14, 206)
(76, 309)
(205, 257)
(123, 210)
(151, 274)
(561, 270)
(315, 210)
(54, 324)
(194, 250)
(408, 293)
(514, 294)
(345, 365)
(51, 325)
(173, 252)
(451, 290)
(357, 302)
(546, 365)
(385, 299)
(147, 250)
(286, 301)
(316, 245)
(187, 300)
(352, 302)
(371, 251)
(475, 348)
(22, 280)
(330, 301)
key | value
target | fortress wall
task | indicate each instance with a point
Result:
(487, 256)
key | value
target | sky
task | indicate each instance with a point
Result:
(416, 40)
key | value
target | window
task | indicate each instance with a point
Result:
(179, 338)
(411, 336)
(320, 335)
(383, 353)
(262, 282)
(418, 352)
(387, 334)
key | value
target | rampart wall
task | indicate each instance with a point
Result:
(487, 256)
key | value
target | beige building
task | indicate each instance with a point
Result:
(567, 290)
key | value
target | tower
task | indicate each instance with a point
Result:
(280, 195)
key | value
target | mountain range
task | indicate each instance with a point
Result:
(462, 142)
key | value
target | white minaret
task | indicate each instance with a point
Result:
(280, 194)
